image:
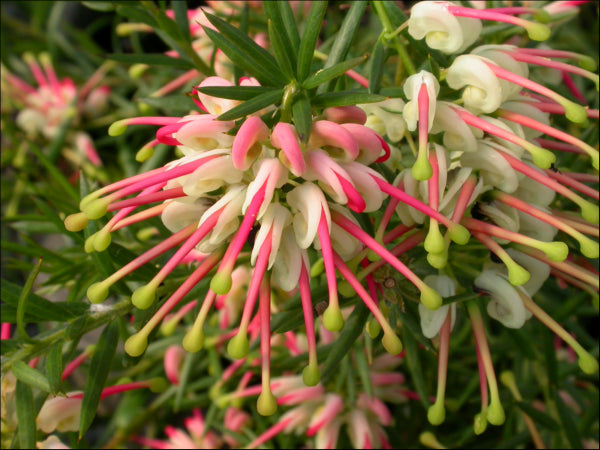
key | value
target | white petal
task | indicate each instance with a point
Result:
(288, 263)
(309, 201)
(505, 305)
(483, 91)
(178, 214)
(493, 167)
(274, 220)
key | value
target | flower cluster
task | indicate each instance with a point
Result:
(340, 219)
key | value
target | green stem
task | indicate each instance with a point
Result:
(390, 32)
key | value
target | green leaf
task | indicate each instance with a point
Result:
(99, 6)
(364, 371)
(302, 116)
(38, 309)
(236, 92)
(377, 62)
(569, 427)
(22, 302)
(245, 52)
(26, 415)
(353, 328)
(279, 14)
(181, 19)
(153, 59)
(30, 376)
(172, 103)
(53, 172)
(282, 50)
(310, 35)
(345, 98)
(324, 75)
(413, 362)
(99, 369)
(342, 42)
(137, 14)
(255, 104)
(538, 416)
(54, 367)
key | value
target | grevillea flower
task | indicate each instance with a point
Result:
(326, 179)
(51, 103)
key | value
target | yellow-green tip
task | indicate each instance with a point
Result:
(311, 375)
(589, 211)
(136, 344)
(168, 327)
(556, 251)
(589, 248)
(587, 63)
(221, 282)
(333, 319)
(345, 289)
(117, 128)
(144, 153)
(430, 298)
(595, 160)
(372, 256)
(391, 343)
(587, 363)
(428, 439)
(436, 414)
(193, 341)
(96, 208)
(459, 234)
(517, 275)
(574, 112)
(158, 385)
(98, 292)
(88, 245)
(317, 268)
(438, 260)
(266, 404)
(495, 412)
(434, 242)
(542, 16)
(541, 157)
(373, 328)
(88, 198)
(238, 346)
(76, 222)
(480, 423)
(102, 240)
(422, 170)
(137, 70)
(538, 31)
(144, 296)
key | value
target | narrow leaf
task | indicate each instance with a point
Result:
(181, 19)
(302, 115)
(282, 50)
(353, 328)
(286, 15)
(345, 98)
(53, 172)
(324, 75)
(253, 54)
(414, 366)
(309, 38)
(54, 367)
(278, 19)
(255, 104)
(25, 415)
(377, 61)
(30, 376)
(99, 368)
(344, 38)
(22, 304)
(364, 371)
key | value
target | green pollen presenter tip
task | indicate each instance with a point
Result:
(587, 363)
(158, 385)
(434, 242)
(102, 240)
(438, 260)
(98, 292)
(333, 319)
(373, 328)
(144, 296)
(168, 327)
(495, 412)
(459, 234)
(480, 423)
(76, 222)
(574, 112)
(556, 251)
(589, 248)
(221, 282)
(136, 344)
(117, 128)
(193, 341)
(541, 157)
(144, 153)
(238, 346)
(422, 170)
(266, 404)
(95, 208)
(436, 414)
(538, 31)
(589, 211)
(517, 275)
(311, 375)
(430, 298)
(391, 343)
